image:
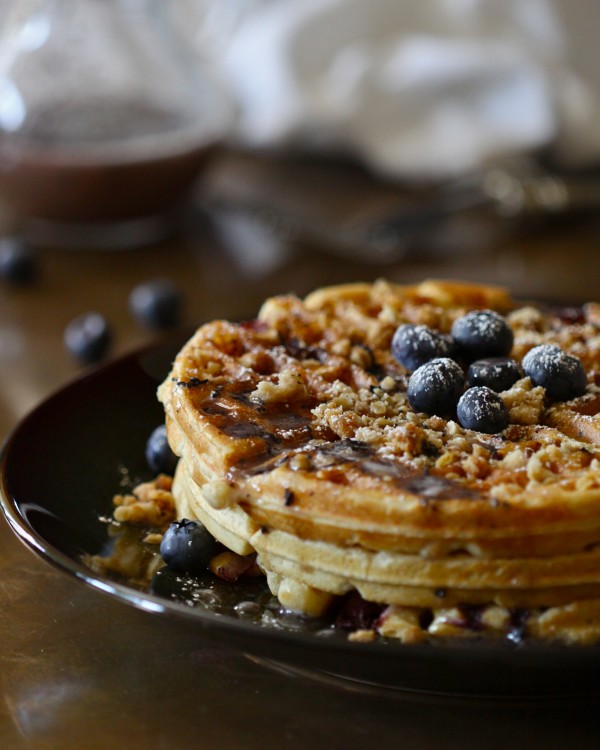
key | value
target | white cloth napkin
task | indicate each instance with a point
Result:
(415, 88)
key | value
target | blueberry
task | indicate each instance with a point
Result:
(88, 337)
(159, 455)
(434, 388)
(497, 373)
(156, 304)
(482, 409)
(482, 333)
(414, 345)
(18, 262)
(561, 374)
(187, 547)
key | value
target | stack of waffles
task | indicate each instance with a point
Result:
(298, 444)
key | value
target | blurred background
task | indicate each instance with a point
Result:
(416, 90)
(241, 148)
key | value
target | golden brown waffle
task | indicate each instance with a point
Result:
(298, 442)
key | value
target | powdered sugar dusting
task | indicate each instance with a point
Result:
(414, 345)
(482, 333)
(436, 386)
(439, 373)
(482, 409)
(562, 374)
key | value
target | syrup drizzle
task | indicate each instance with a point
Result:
(285, 431)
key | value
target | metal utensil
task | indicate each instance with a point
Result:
(507, 192)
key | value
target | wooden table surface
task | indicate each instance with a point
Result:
(78, 669)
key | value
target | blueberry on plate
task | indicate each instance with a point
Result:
(562, 375)
(497, 373)
(157, 303)
(435, 387)
(482, 333)
(414, 345)
(88, 337)
(18, 261)
(187, 547)
(159, 456)
(481, 409)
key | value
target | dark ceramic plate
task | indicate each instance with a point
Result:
(61, 467)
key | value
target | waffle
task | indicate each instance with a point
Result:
(297, 442)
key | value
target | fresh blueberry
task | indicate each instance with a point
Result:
(435, 387)
(561, 374)
(88, 337)
(482, 333)
(482, 409)
(18, 261)
(157, 303)
(497, 373)
(187, 547)
(159, 455)
(414, 345)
